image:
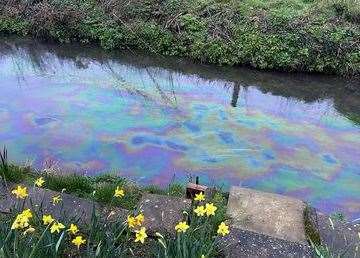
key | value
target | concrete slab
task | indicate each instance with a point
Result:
(162, 212)
(268, 214)
(113, 214)
(71, 207)
(342, 238)
(244, 243)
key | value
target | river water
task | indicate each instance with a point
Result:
(155, 120)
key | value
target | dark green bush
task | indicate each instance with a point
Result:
(296, 35)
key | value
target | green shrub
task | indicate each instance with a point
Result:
(350, 9)
(73, 183)
(296, 35)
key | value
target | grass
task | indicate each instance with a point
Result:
(77, 184)
(100, 188)
(287, 35)
(10, 172)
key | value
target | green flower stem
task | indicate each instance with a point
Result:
(6, 239)
(38, 242)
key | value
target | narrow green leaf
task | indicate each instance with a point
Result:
(2, 253)
(59, 242)
(98, 249)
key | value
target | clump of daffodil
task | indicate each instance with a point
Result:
(223, 229)
(134, 221)
(140, 235)
(56, 199)
(39, 182)
(20, 192)
(78, 241)
(73, 229)
(200, 211)
(47, 219)
(119, 192)
(199, 197)
(181, 227)
(56, 227)
(22, 220)
(210, 209)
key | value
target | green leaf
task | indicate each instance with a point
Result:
(98, 249)
(2, 253)
(59, 242)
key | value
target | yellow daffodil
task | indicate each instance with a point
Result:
(20, 223)
(20, 192)
(200, 211)
(199, 197)
(78, 241)
(223, 229)
(181, 227)
(56, 199)
(29, 231)
(73, 229)
(131, 221)
(39, 182)
(139, 219)
(22, 220)
(27, 213)
(210, 209)
(119, 192)
(135, 221)
(141, 235)
(56, 227)
(47, 219)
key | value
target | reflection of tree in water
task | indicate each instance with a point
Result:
(166, 98)
(295, 87)
(235, 94)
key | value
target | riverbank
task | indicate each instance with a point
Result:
(98, 188)
(280, 225)
(321, 36)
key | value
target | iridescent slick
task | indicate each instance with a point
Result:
(151, 124)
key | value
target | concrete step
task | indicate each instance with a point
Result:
(265, 225)
(245, 243)
(162, 212)
(268, 214)
(71, 207)
(342, 238)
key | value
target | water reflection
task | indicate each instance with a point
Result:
(149, 118)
